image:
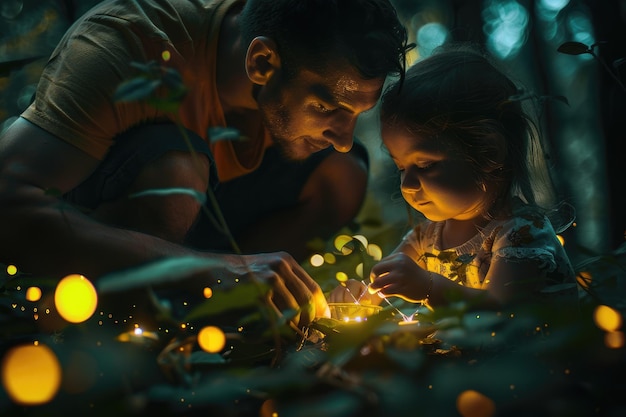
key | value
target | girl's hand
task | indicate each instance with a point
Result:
(398, 275)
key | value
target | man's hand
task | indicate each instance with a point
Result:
(292, 286)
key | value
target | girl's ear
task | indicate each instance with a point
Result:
(262, 60)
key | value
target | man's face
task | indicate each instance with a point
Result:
(313, 110)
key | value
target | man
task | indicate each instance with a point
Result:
(290, 76)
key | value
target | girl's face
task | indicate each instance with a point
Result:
(434, 181)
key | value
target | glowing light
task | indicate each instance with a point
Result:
(31, 374)
(375, 251)
(11, 269)
(506, 27)
(33, 294)
(207, 292)
(340, 244)
(430, 36)
(561, 239)
(352, 312)
(614, 340)
(472, 403)
(607, 318)
(584, 279)
(211, 339)
(75, 298)
(361, 239)
(137, 335)
(359, 270)
(166, 55)
(317, 260)
(268, 409)
(330, 258)
(341, 276)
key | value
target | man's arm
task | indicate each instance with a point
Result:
(41, 234)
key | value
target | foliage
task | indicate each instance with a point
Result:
(578, 48)
(535, 360)
(528, 361)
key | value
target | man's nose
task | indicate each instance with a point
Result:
(341, 133)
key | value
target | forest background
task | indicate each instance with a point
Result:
(585, 139)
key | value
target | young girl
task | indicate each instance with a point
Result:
(471, 163)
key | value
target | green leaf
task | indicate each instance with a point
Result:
(164, 271)
(200, 197)
(223, 133)
(139, 88)
(574, 48)
(241, 296)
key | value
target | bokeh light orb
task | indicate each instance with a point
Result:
(207, 292)
(11, 269)
(341, 276)
(317, 260)
(607, 318)
(211, 339)
(472, 403)
(33, 294)
(31, 374)
(75, 298)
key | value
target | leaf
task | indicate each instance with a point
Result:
(205, 358)
(200, 197)
(136, 89)
(223, 133)
(558, 288)
(164, 271)
(241, 296)
(574, 48)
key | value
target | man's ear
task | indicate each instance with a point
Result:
(262, 60)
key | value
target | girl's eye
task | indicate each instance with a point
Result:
(425, 165)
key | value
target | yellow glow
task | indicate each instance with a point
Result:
(362, 239)
(375, 251)
(207, 292)
(614, 340)
(584, 279)
(166, 55)
(31, 374)
(268, 409)
(341, 276)
(330, 258)
(607, 318)
(317, 260)
(75, 298)
(472, 403)
(561, 239)
(11, 269)
(33, 294)
(359, 270)
(211, 339)
(340, 242)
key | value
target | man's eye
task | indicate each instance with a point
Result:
(319, 107)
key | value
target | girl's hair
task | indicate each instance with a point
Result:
(319, 33)
(459, 96)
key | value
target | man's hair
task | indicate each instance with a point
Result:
(319, 33)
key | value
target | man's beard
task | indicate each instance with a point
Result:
(275, 120)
